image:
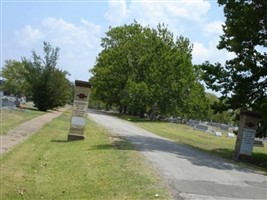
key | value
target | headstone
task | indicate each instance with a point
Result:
(230, 135)
(201, 127)
(79, 112)
(248, 124)
(258, 143)
(8, 102)
(175, 120)
(192, 122)
(214, 124)
(218, 134)
(224, 127)
(17, 102)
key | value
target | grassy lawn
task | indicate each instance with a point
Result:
(10, 118)
(221, 146)
(102, 166)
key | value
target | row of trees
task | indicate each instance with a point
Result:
(39, 78)
(146, 70)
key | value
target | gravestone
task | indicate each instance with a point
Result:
(8, 102)
(230, 135)
(218, 134)
(192, 122)
(79, 111)
(214, 124)
(246, 133)
(201, 127)
(17, 102)
(224, 127)
(175, 120)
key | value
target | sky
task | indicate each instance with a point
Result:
(76, 27)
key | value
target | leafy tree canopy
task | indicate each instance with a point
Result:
(49, 86)
(243, 79)
(142, 69)
(13, 72)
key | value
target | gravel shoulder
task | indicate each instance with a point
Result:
(26, 129)
(191, 174)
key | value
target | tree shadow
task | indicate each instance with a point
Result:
(60, 141)
(118, 144)
(147, 144)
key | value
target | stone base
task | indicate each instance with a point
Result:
(75, 137)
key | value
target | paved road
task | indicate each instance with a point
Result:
(190, 173)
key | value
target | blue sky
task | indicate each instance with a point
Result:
(76, 27)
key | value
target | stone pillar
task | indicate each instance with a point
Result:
(79, 111)
(246, 133)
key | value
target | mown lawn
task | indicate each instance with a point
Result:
(102, 166)
(221, 146)
(10, 118)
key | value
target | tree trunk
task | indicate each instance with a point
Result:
(153, 112)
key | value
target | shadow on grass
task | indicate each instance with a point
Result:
(118, 144)
(214, 158)
(257, 159)
(60, 141)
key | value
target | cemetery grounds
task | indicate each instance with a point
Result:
(12, 117)
(221, 146)
(102, 166)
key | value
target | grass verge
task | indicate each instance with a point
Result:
(10, 118)
(221, 146)
(102, 166)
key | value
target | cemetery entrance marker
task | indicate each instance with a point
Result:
(79, 112)
(246, 133)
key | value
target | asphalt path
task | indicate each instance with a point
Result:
(190, 173)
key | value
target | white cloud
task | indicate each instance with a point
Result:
(95, 28)
(79, 43)
(211, 53)
(213, 29)
(28, 36)
(116, 12)
(153, 12)
(200, 53)
(64, 33)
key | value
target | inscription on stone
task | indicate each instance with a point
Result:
(79, 112)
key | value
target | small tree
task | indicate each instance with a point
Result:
(49, 85)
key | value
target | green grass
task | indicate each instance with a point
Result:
(10, 118)
(221, 146)
(102, 166)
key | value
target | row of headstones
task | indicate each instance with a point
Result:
(205, 128)
(11, 102)
(225, 127)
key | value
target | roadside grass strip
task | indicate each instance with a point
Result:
(10, 118)
(221, 146)
(102, 166)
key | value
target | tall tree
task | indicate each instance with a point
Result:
(243, 79)
(143, 69)
(49, 85)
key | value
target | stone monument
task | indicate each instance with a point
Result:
(248, 124)
(79, 112)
